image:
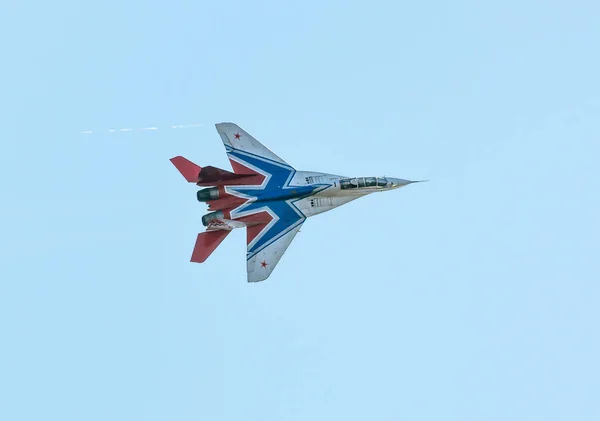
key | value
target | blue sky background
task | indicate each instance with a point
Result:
(472, 297)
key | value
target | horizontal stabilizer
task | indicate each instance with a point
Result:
(212, 176)
(206, 243)
(188, 169)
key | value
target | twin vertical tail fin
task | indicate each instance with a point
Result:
(189, 170)
(207, 176)
(206, 243)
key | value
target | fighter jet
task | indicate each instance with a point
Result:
(267, 196)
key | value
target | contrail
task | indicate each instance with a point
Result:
(142, 129)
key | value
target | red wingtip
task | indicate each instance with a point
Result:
(188, 169)
(206, 243)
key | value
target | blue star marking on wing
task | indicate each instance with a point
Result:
(275, 196)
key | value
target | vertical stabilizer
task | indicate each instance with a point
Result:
(187, 168)
(206, 243)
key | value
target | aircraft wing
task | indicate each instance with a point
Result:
(261, 264)
(236, 138)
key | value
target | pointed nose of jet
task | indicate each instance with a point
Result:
(395, 183)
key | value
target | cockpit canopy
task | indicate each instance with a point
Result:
(360, 182)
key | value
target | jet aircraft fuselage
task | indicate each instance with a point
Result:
(268, 197)
(312, 192)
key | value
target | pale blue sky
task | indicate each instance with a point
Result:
(472, 297)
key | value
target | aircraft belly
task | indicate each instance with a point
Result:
(267, 196)
(314, 205)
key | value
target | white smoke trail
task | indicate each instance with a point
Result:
(141, 129)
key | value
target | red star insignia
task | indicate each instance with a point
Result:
(263, 264)
(237, 135)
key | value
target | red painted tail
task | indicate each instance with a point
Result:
(210, 176)
(189, 170)
(206, 243)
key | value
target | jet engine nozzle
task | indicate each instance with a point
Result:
(211, 217)
(211, 193)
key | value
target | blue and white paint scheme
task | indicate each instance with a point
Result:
(269, 197)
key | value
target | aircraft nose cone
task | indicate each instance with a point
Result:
(400, 182)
